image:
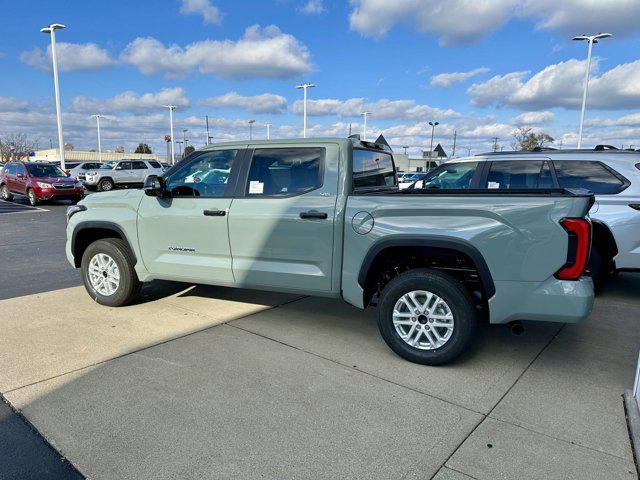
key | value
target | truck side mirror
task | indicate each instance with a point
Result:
(154, 186)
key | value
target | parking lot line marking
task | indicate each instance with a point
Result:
(9, 208)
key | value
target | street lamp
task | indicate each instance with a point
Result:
(184, 137)
(171, 109)
(251, 122)
(180, 142)
(591, 39)
(97, 116)
(364, 128)
(433, 127)
(405, 148)
(304, 87)
(51, 30)
(268, 125)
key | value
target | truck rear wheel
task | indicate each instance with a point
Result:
(426, 316)
(108, 273)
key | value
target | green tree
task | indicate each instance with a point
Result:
(188, 150)
(143, 148)
(526, 139)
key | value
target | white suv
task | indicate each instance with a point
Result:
(123, 173)
(612, 175)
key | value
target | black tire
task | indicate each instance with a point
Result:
(31, 195)
(448, 289)
(6, 194)
(105, 185)
(598, 269)
(129, 285)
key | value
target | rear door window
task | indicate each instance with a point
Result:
(592, 176)
(137, 165)
(285, 171)
(155, 164)
(517, 174)
(124, 166)
(372, 169)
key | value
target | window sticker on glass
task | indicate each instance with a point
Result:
(493, 185)
(256, 188)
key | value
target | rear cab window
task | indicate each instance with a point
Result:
(589, 175)
(372, 169)
(280, 172)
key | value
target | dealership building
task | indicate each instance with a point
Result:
(53, 155)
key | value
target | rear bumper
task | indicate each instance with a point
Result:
(552, 301)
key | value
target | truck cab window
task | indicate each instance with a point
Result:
(372, 169)
(285, 171)
(206, 175)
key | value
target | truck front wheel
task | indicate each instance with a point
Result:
(108, 273)
(426, 316)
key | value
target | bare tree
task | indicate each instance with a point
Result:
(18, 144)
(525, 139)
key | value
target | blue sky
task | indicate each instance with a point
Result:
(481, 68)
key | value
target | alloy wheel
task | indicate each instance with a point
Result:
(104, 275)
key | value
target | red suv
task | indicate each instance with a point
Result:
(38, 181)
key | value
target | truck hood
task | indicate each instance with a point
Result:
(115, 197)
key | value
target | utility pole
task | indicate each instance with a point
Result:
(591, 39)
(349, 128)
(207, 121)
(364, 128)
(184, 137)
(51, 30)
(97, 116)
(455, 137)
(173, 152)
(495, 144)
(304, 87)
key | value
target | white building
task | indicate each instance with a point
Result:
(53, 155)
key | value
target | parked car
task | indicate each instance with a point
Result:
(325, 217)
(38, 181)
(410, 178)
(121, 173)
(612, 175)
(79, 170)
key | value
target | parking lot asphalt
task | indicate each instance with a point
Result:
(211, 382)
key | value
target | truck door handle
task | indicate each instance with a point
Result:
(313, 214)
(214, 213)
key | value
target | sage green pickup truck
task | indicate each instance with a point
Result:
(325, 217)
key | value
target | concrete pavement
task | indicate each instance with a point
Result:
(305, 388)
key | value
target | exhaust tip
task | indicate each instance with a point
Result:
(516, 328)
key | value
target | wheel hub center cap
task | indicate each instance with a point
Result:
(423, 319)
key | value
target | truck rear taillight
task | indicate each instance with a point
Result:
(579, 231)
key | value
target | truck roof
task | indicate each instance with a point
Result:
(353, 140)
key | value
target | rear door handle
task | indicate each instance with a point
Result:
(313, 214)
(214, 213)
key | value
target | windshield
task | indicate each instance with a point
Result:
(372, 168)
(109, 165)
(40, 171)
(449, 176)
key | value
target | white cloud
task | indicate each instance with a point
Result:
(129, 101)
(260, 53)
(10, 104)
(263, 103)
(454, 21)
(533, 118)
(447, 79)
(312, 7)
(467, 21)
(561, 85)
(71, 57)
(383, 109)
(210, 13)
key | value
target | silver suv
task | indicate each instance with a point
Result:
(122, 173)
(613, 175)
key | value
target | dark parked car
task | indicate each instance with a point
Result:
(38, 181)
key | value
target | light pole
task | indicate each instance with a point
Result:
(97, 116)
(171, 109)
(180, 142)
(184, 137)
(304, 87)
(268, 125)
(405, 148)
(364, 128)
(433, 127)
(591, 39)
(251, 122)
(51, 30)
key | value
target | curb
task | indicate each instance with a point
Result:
(633, 423)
